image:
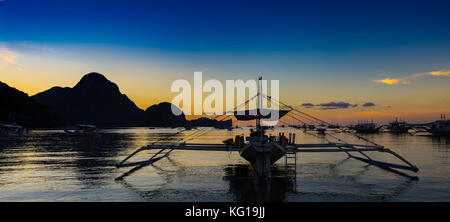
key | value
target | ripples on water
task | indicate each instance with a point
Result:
(49, 166)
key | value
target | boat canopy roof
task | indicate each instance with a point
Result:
(10, 126)
(253, 114)
(86, 126)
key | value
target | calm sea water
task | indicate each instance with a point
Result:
(49, 166)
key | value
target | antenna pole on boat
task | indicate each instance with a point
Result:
(259, 104)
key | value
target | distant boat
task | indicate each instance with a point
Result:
(82, 130)
(333, 126)
(367, 127)
(398, 126)
(11, 130)
(189, 127)
(222, 126)
(440, 127)
(321, 129)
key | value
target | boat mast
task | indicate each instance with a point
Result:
(259, 104)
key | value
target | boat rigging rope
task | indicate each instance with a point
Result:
(329, 141)
(203, 131)
(310, 117)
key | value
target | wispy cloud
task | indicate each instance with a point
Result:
(390, 81)
(410, 78)
(34, 47)
(337, 105)
(9, 57)
(308, 105)
(330, 105)
(368, 104)
(440, 73)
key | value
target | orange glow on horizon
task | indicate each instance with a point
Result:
(147, 84)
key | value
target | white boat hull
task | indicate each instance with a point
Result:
(74, 133)
(262, 157)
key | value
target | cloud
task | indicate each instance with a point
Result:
(8, 57)
(330, 105)
(368, 104)
(341, 105)
(35, 47)
(391, 81)
(307, 105)
(338, 105)
(410, 78)
(440, 73)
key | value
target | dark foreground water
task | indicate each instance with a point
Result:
(49, 166)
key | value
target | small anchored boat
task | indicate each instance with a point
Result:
(321, 129)
(367, 127)
(397, 126)
(12, 130)
(437, 128)
(83, 130)
(441, 127)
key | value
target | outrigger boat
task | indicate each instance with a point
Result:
(12, 130)
(397, 126)
(437, 128)
(82, 130)
(321, 129)
(262, 150)
(440, 127)
(367, 127)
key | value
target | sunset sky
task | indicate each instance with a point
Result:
(342, 61)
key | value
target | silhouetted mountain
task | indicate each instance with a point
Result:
(93, 100)
(16, 106)
(210, 122)
(161, 116)
(54, 95)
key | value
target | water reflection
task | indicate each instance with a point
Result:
(245, 186)
(96, 156)
(440, 140)
(50, 161)
(94, 161)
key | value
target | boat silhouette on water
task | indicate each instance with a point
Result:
(440, 127)
(262, 150)
(397, 126)
(366, 127)
(12, 130)
(437, 128)
(83, 130)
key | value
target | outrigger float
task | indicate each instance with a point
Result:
(262, 151)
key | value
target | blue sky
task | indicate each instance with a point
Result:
(322, 51)
(249, 26)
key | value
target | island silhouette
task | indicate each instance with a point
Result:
(94, 100)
